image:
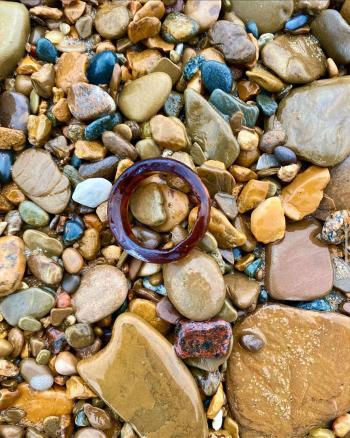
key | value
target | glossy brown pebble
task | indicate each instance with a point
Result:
(242, 290)
(195, 286)
(299, 266)
(14, 110)
(166, 311)
(12, 264)
(338, 188)
(297, 345)
(207, 339)
(79, 335)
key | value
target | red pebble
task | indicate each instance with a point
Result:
(205, 339)
(63, 300)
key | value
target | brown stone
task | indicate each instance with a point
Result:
(153, 8)
(12, 264)
(146, 310)
(39, 129)
(247, 89)
(71, 69)
(44, 80)
(242, 174)
(299, 393)
(61, 111)
(252, 194)
(165, 65)
(302, 196)
(268, 223)
(215, 177)
(169, 132)
(74, 10)
(338, 188)
(12, 139)
(265, 79)
(142, 63)
(118, 145)
(242, 290)
(155, 392)
(299, 266)
(39, 178)
(145, 28)
(41, 404)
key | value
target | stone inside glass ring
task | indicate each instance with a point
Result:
(118, 209)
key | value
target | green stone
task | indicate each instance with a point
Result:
(43, 357)
(33, 215)
(29, 324)
(73, 175)
(178, 28)
(29, 302)
(228, 105)
(267, 105)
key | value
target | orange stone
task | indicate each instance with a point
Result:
(252, 194)
(71, 69)
(247, 90)
(268, 223)
(145, 28)
(142, 63)
(302, 196)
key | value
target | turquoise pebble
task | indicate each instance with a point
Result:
(81, 419)
(321, 305)
(216, 75)
(99, 126)
(263, 296)
(192, 66)
(252, 27)
(33, 215)
(174, 104)
(251, 269)
(237, 253)
(6, 160)
(266, 103)
(72, 231)
(101, 68)
(46, 51)
(296, 22)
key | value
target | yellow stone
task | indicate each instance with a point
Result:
(242, 174)
(169, 132)
(142, 63)
(12, 139)
(122, 166)
(231, 426)
(224, 232)
(77, 388)
(252, 194)
(216, 403)
(13, 193)
(28, 65)
(71, 69)
(341, 425)
(265, 79)
(46, 12)
(243, 262)
(39, 129)
(61, 111)
(90, 150)
(321, 433)
(158, 43)
(268, 223)
(41, 404)
(302, 196)
(146, 310)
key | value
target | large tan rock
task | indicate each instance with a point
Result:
(39, 178)
(140, 377)
(12, 264)
(299, 380)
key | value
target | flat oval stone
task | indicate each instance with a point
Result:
(216, 75)
(32, 214)
(269, 15)
(38, 176)
(14, 32)
(142, 98)
(167, 402)
(45, 269)
(195, 286)
(209, 130)
(92, 192)
(333, 32)
(324, 141)
(14, 110)
(297, 59)
(12, 264)
(178, 28)
(33, 302)
(299, 266)
(297, 345)
(102, 291)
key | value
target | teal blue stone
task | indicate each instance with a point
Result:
(263, 296)
(266, 103)
(174, 104)
(320, 305)
(72, 232)
(101, 67)
(251, 269)
(33, 215)
(46, 51)
(81, 419)
(216, 75)
(237, 253)
(6, 160)
(192, 66)
(99, 126)
(160, 289)
(228, 105)
(252, 27)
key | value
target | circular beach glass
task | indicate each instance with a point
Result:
(118, 209)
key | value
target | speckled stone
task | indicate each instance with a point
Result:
(166, 401)
(178, 28)
(297, 345)
(12, 264)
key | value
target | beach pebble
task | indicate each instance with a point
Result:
(38, 376)
(92, 192)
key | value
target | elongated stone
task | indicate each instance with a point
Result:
(12, 264)
(155, 392)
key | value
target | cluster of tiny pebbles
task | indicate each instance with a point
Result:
(248, 335)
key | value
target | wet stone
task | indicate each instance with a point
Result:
(341, 274)
(178, 28)
(38, 376)
(299, 266)
(45, 269)
(12, 264)
(251, 341)
(105, 168)
(79, 335)
(242, 290)
(92, 192)
(33, 215)
(101, 68)
(338, 188)
(216, 75)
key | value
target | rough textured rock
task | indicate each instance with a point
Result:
(296, 59)
(338, 188)
(40, 179)
(299, 266)
(155, 392)
(102, 290)
(209, 130)
(315, 118)
(298, 380)
(12, 264)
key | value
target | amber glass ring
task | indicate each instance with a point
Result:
(118, 209)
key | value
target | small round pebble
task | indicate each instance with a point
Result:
(33, 215)
(79, 335)
(216, 75)
(46, 51)
(66, 363)
(251, 342)
(285, 155)
(92, 192)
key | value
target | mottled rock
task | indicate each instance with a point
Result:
(102, 290)
(341, 274)
(325, 141)
(195, 286)
(39, 178)
(299, 266)
(297, 344)
(179, 28)
(160, 407)
(38, 376)
(297, 59)
(45, 269)
(118, 145)
(204, 12)
(12, 264)
(112, 20)
(209, 130)
(338, 188)
(216, 178)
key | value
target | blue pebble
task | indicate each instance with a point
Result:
(6, 160)
(81, 419)
(296, 22)
(46, 51)
(321, 305)
(99, 126)
(285, 155)
(192, 66)
(101, 68)
(237, 253)
(76, 161)
(72, 231)
(266, 103)
(174, 104)
(252, 27)
(263, 296)
(251, 269)
(160, 289)
(216, 75)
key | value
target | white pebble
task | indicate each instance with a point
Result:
(217, 422)
(92, 192)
